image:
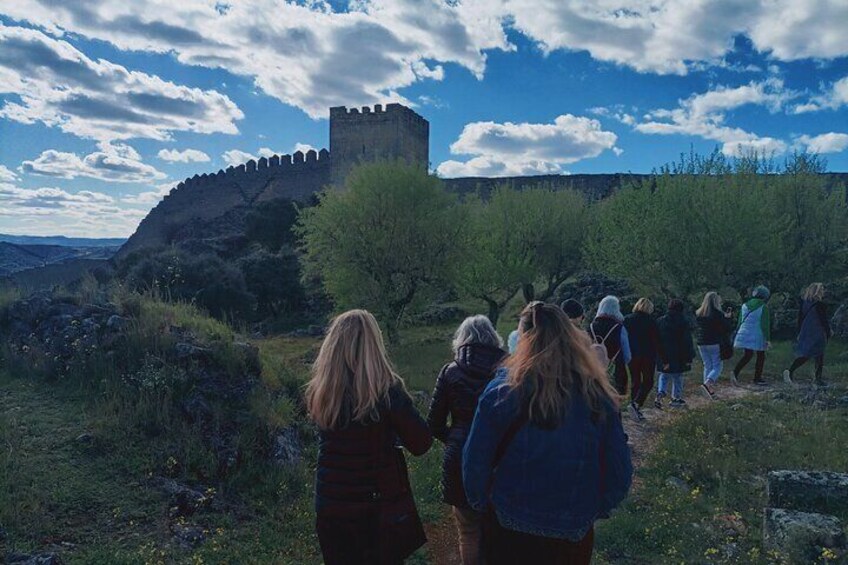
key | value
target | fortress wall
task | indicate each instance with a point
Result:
(209, 196)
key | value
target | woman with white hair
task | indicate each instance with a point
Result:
(478, 352)
(753, 334)
(813, 332)
(608, 329)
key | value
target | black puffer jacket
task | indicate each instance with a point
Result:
(643, 335)
(458, 388)
(350, 462)
(676, 350)
(711, 329)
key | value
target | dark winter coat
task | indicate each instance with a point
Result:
(349, 462)
(813, 329)
(643, 335)
(676, 349)
(711, 329)
(617, 340)
(458, 388)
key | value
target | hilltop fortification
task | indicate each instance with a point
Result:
(221, 199)
(215, 205)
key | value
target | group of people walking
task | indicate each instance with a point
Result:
(535, 451)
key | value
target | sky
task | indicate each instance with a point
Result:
(107, 104)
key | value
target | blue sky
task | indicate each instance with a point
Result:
(105, 104)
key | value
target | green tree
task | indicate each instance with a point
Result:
(384, 242)
(270, 223)
(520, 239)
(274, 279)
(710, 222)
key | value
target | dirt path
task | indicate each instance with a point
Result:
(443, 543)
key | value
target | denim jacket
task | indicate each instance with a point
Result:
(553, 483)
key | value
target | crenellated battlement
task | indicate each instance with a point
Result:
(357, 135)
(265, 166)
(366, 115)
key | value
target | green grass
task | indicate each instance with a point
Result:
(100, 497)
(724, 453)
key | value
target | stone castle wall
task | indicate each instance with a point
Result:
(367, 136)
(209, 196)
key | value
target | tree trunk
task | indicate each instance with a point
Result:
(529, 292)
(494, 311)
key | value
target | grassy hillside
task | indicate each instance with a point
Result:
(80, 474)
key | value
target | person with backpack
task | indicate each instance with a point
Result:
(753, 334)
(478, 352)
(713, 337)
(610, 337)
(675, 354)
(813, 332)
(363, 500)
(643, 337)
(547, 454)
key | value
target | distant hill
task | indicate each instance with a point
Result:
(61, 240)
(16, 258)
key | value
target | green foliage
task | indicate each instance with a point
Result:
(205, 280)
(712, 223)
(519, 238)
(384, 242)
(270, 223)
(274, 280)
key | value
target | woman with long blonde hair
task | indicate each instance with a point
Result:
(813, 332)
(364, 506)
(713, 329)
(547, 454)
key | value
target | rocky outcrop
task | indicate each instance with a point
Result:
(590, 288)
(813, 491)
(801, 535)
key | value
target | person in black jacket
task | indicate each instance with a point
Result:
(676, 353)
(363, 500)
(644, 342)
(713, 329)
(478, 352)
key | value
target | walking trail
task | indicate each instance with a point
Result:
(443, 543)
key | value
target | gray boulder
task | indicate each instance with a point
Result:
(801, 535)
(287, 447)
(813, 491)
(839, 322)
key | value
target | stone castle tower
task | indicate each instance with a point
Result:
(393, 133)
(215, 203)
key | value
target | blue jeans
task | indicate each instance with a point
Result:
(676, 384)
(711, 356)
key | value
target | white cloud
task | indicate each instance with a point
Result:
(7, 175)
(185, 156)
(235, 157)
(53, 83)
(149, 197)
(704, 115)
(825, 143)
(50, 211)
(304, 54)
(525, 148)
(310, 56)
(833, 99)
(114, 162)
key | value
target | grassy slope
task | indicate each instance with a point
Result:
(53, 489)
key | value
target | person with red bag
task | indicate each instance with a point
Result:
(547, 454)
(365, 510)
